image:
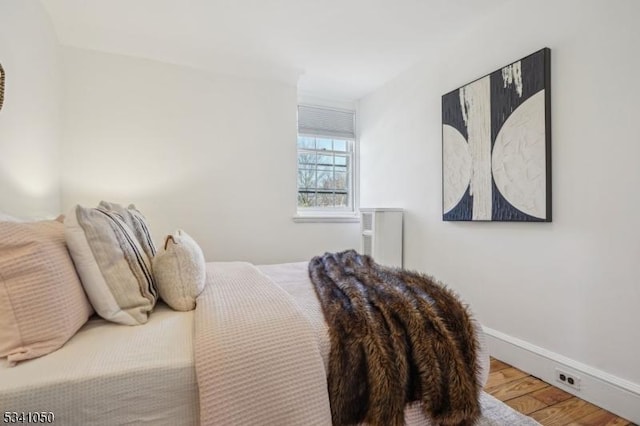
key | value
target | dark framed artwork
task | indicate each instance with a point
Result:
(496, 145)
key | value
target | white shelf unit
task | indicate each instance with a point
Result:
(381, 235)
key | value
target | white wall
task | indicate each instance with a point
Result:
(571, 286)
(212, 154)
(29, 119)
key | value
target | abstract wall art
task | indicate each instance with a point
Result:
(496, 145)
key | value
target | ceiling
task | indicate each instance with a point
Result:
(335, 49)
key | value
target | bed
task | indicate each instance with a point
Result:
(338, 339)
(147, 374)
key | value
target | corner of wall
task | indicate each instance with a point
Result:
(30, 129)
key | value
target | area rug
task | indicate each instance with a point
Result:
(497, 413)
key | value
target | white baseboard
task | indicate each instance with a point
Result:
(612, 393)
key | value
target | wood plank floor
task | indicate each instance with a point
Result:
(547, 404)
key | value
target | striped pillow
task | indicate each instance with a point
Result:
(114, 269)
(136, 221)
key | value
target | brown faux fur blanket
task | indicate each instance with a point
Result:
(396, 337)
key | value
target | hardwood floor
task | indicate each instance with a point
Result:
(547, 404)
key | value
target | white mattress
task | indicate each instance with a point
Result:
(110, 374)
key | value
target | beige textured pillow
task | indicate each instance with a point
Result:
(136, 222)
(42, 303)
(114, 270)
(179, 271)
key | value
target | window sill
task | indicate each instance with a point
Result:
(318, 218)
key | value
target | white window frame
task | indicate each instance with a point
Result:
(332, 214)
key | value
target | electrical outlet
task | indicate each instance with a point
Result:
(568, 379)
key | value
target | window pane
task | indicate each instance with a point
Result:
(340, 180)
(306, 179)
(325, 200)
(324, 180)
(306, 159)
(341, 200)
(337, 182)
(303, 200)
(306, 199)
(324, 144)
(339, 145)
(325, 160)
(306, 142)
(341, 160)
(312, 200)
(341, 169)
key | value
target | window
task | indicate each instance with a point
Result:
(326, 146)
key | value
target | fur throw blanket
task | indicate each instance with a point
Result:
(396, 337)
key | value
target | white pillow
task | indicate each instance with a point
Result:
(115, 272)
(179, 271)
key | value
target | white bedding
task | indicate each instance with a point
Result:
(111, 374)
